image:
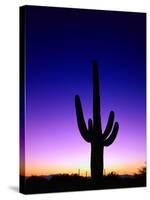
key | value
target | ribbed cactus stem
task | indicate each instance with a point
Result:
(96, 99)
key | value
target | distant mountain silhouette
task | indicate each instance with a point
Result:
(94, 133)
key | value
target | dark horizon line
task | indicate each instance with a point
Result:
(59, 174)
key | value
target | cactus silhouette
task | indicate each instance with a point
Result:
(93, 133)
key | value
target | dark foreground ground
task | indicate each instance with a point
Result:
(65, 182)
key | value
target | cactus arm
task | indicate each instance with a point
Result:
(80, 119)
(113, 135)
(109, 125)
(96, 99)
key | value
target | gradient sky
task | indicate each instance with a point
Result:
(60, 47)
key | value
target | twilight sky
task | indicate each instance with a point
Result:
(60, 47)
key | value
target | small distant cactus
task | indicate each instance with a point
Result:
(78, 172)
(93, 133)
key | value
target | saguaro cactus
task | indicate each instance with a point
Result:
(93, 133)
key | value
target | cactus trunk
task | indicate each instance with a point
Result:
(97, 165)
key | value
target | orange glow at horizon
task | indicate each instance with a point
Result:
(48, 170)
